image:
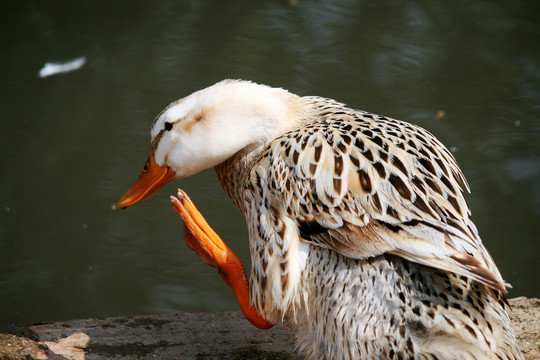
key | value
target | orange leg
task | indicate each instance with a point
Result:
(200, 237)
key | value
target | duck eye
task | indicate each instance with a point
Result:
(168, 126)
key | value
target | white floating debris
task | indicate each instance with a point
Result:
(52, 68)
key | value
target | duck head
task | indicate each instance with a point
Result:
(209, 126)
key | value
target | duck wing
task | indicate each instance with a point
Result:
(363, 184)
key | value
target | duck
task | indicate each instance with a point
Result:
(360, 233)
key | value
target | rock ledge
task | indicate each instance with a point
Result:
(218, 335)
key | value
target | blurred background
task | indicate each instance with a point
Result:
(71, 144)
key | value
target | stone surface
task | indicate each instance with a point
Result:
(525, 318)
(220, 335)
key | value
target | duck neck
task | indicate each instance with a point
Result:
(233, 174)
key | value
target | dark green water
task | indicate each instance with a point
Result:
(73, 143)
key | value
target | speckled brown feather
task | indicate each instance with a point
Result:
(353, 173)
(365, 193)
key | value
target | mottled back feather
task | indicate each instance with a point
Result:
(363, 184)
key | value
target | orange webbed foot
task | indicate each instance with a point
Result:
(202, 239)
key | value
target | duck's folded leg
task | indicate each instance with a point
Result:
(200, 237)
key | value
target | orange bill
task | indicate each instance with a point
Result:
(151, 180)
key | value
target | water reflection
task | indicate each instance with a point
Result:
(72, 144)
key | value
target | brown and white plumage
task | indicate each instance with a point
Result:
(362, 185)
(360, 233)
